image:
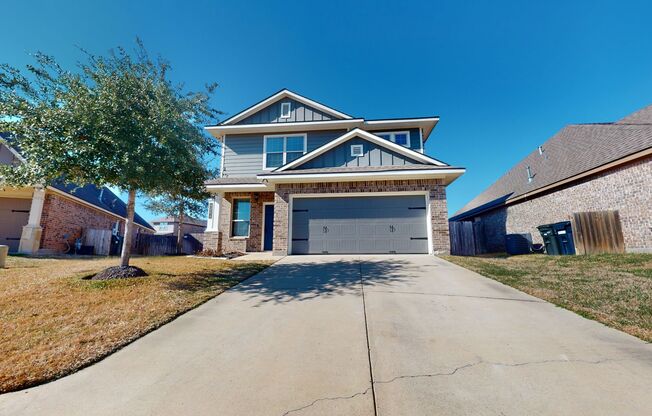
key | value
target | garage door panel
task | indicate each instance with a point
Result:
(14, 213)
(340, 225)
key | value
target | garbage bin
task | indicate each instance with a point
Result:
(549, 239)
(564, 234)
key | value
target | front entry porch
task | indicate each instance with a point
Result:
(245, 222)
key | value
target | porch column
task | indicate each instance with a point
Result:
(214, 213)
(281, 223)
(30, 238)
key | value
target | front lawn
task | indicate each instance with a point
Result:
(615, 289)
(53, 322)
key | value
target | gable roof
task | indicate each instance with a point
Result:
(412, 154)
(576, 150)
(284, 93)
(102, 198)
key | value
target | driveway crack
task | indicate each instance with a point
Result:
(481, 362)
(298, 409)
(366, 329)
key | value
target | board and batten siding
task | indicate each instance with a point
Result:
(243, 153)
(298, 112)
(373, 155)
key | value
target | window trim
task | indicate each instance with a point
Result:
(289, 107)
(357, 146)
(234, 220)
(392, 135)
(284, 136)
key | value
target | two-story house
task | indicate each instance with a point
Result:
(298, 177)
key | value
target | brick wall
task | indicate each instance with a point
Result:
(436, 189)
(627, 188)
(248, 244)
(63, 215)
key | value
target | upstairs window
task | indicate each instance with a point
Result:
(240, 218)
(398, 137)
(286, 108)
(279, 150)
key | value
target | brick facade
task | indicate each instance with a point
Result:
(436, 189)
(627, 188)
(63, 215)
(222, 240)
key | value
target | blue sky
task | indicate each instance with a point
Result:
(503, 76)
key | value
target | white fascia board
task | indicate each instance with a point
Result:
(279, 96)
(451, 174)
(426, 123)
(367, 136)
(12, 150)
(239, 187)
(301, 126)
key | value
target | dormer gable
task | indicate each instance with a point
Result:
(285, 107)
(360, 148)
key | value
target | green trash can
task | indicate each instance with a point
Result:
(549, 239)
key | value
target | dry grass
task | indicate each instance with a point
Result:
(615, 289)
(52, 322)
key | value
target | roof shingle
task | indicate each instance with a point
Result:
(575, 149)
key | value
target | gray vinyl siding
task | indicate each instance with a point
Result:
(373, 155)
(415, 138)
(243, 153)
(298, 112)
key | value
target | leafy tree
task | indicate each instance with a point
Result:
(184, 197)
(117, 120)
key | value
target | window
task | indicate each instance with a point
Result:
(398, 137)
(240, 218)
(357, 150)
(280, 150)
(285, 110)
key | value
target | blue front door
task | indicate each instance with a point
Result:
(268, 237)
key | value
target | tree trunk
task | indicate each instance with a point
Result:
(129, 229)
(180, 231)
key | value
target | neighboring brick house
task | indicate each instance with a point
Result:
(41, 219)
(583, 168)
(298, 177)
(170, 225)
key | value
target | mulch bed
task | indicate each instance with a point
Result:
(119, 272)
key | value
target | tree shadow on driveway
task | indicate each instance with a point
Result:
(300, 281)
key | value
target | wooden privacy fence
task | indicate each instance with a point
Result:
(467, 238)
(597, 232)
(99, 239)
(161, 245)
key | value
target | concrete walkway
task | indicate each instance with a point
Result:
(308, 335)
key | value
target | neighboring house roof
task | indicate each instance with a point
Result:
(284, 93)
(575, 150)
(186, 220)
(102, 198)
(420, 157)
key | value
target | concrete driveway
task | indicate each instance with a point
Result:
(310, 334)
